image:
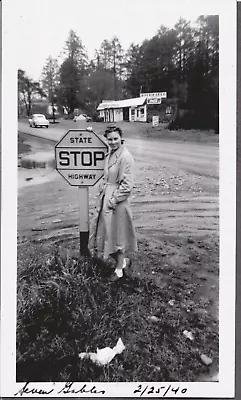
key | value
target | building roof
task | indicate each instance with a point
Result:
(137, 101)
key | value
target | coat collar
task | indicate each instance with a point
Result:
(112, 158)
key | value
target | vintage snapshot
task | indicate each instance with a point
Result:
(120, 280)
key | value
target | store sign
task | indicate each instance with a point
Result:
(161, 95)
(155, 120)
(154, 100)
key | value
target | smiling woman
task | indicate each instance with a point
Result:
(112, 230)
(113, 137)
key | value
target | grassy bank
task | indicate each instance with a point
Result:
(66, 306)
(23, 147)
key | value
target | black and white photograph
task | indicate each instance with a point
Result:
(118, 198)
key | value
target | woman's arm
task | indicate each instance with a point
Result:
(102, 183)
(125, 180)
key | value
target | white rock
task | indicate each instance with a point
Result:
(153, 318)
(206, 360)
(188, 335)
(105, 355)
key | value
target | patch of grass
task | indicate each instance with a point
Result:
(66, 306)
(22, 146)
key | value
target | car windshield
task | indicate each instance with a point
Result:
(39, 116)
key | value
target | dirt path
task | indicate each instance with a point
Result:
(176, 183)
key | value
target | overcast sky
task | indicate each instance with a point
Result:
(43, 25)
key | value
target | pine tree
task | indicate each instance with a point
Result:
(72, 73)
(50, 81)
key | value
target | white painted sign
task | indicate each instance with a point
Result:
(155, 120)
(80, 157)
(161, 95)
(154, 100)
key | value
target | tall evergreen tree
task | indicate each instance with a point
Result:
(72, 88)
(110, 57)
(50, 81)
(75, 51)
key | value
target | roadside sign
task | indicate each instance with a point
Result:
(155, 97)
(154, 100)
(155, 120)
(161, 95)
(80, 157)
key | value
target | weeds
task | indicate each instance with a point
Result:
(66, 306)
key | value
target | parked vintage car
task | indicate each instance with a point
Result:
(82, 117)
(38, 120)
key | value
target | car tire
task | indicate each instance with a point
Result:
(47, 126)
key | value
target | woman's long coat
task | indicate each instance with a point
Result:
(112, 226)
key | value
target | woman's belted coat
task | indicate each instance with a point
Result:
(112, 226)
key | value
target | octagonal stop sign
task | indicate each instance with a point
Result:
(80, 157)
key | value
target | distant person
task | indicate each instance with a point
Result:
(112, 231)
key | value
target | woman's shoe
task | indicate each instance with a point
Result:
(118, 274)
(114, 277)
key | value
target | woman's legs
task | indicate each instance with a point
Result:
(119, 260)
(120, 263)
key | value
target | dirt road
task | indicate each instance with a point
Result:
(176, 183)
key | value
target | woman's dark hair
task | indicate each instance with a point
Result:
(113, 128)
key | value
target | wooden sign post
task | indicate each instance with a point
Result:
(80, 159)
(84, 220)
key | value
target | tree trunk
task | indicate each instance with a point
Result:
(53, 112)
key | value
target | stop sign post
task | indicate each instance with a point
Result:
(80, 158)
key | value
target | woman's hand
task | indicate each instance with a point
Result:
(101, 187)
(112, 203)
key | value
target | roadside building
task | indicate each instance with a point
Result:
(140, 109)
(123, 110)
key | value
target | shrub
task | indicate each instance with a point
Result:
(191, 120)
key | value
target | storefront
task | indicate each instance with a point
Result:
(124, 110)
(141, 109)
